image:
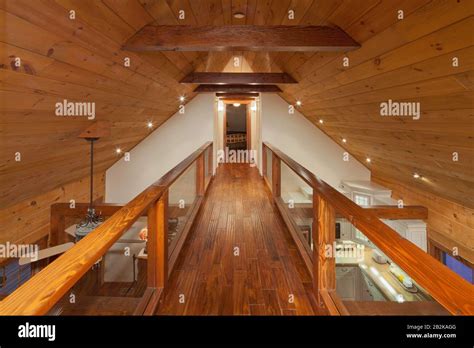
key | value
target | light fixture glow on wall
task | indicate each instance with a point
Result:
(298, 103)
(236, 105)
(220, 106)
(149, 124)
(416, 175)
(321, 121)
(368, 160)
(118, 150)
(182, 98)
(239, 15)
(344, 140)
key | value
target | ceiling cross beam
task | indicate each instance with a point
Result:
(275, 38)
(237, 89)
(238, 78)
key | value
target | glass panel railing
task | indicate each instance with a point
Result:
(181, 201)
(369, 283)
(297, 199)
(116, 283)
(120, 261)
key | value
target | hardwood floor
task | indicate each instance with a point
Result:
(266, 277)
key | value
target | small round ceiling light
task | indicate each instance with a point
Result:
(236, 105)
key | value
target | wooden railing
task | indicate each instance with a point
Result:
(446, 287)
(40, 293)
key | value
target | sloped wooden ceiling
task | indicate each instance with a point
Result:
(407, 59)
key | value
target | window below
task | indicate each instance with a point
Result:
(361, 199)
(457, 266)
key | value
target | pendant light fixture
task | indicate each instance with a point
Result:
(92, 220)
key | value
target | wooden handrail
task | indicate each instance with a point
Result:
(415, 212)
(446, 287)
(40, 293)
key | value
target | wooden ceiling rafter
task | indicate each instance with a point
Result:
(271, 38)
(237, 89)
(230, 78)
(237, 95)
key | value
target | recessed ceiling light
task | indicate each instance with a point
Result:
(239, 15)
(368, 160)
(416, 175)
(321, 121)
(344, 140)
(236, 105)
(149, 124)
(298, 102)
(118, 150)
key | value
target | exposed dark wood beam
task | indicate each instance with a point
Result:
(238, 88)
(233, 101)
(277, 38)
(237, 95)
(238, 78)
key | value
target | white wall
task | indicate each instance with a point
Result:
(163, 149)
(305, 143)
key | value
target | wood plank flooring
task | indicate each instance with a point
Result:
(266, 277)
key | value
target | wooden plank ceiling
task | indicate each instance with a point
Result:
(82, 60)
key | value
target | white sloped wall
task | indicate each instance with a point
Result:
(163, 149)
(305, 143)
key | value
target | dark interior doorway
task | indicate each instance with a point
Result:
(236, 126)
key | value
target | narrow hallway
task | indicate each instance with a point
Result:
(239, 258)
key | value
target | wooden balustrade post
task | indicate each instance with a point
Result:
(57, 227)
(276, 175)
(324, 235)
(200, 176)
(157, 243)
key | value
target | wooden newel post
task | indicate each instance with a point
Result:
(158, 243)
(324, 235)
(200, 176)
(276, 176)
(57, 227)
